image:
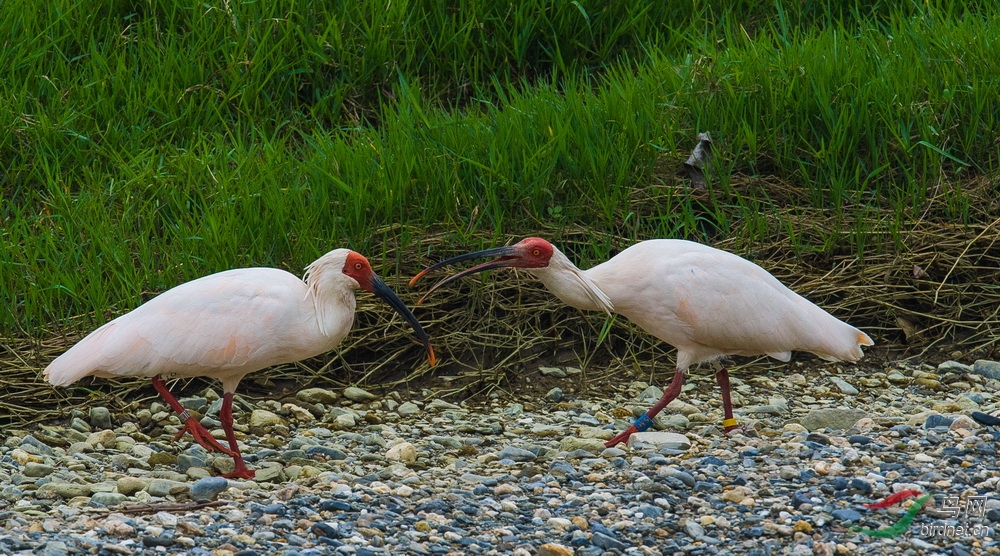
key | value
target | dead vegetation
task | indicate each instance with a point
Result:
(932, 288)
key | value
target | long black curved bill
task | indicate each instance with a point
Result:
(380, 289)
(506, 256)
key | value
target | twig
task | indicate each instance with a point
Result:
(960, 256)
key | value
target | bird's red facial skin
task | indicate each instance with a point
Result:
(534, 253)
(357, 267)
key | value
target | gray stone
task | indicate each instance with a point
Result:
(100, 418)
(53, 548)
(344, 421)
(840, 418)
(39, 446)
(165, 487)
(62, 490)
(679, 406)
(317, 395)
(267, 472)
(672, 440)
(554, 372)
(779, 403)
(441, 405)
(107, 499)
(446, 441)
(967, 403)
(682, 476)
(591, 445)
(516, 454)
(194, 403)
(607, 542)
(650, 394)
(555, 394)
(934, 420)
(847, 515)
(327, 452)
(514, 409)
(262, 418)
(208, 488)
(130, 485)
(954, 366)
(195, 456)
(844, 386)
(33, 469)
(694, 529)
(80, 425)
(403, 452)
(672, 421)
(164, 519)
(897, 377)
(989, 369)
(408, 408)
(356, 394)
(104, 438)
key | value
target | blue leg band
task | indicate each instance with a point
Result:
(643, 423)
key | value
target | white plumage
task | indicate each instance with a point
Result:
(705, 302)
(227, 325)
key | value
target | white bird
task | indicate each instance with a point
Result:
(227, 325)
(705, 302)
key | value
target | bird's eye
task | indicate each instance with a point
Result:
(357, 266)
(536, 252)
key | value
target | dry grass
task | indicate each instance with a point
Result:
(935, 284)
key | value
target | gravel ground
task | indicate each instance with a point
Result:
(348, 473)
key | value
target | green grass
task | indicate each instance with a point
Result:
(148, 143)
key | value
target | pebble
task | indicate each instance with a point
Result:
(554, 372)
(573, 444)
(989, 369)
(100, 418)
(935, 420)
(130, 485)
(407, 409)
(359, 395)
(107, 499)
(207, 488)
(838, 418)
(527, 476)
(261, 418)
(671, 440)
(554, 549)
(441, 405)
(35, 469)
(844, 386)
(165, 487)
(403, 452)
(317, 396)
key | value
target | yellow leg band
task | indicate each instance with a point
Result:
(729, 423)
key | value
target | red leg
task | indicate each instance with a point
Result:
(644, 422)
(189, 423)
(241, 471)
(729, 423)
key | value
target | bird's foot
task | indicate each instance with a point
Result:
(202, 436)
(623, 437)
(730, 426)
(642, 423)
(241, 472)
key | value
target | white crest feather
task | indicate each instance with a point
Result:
(595, 293)
(313, 277)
